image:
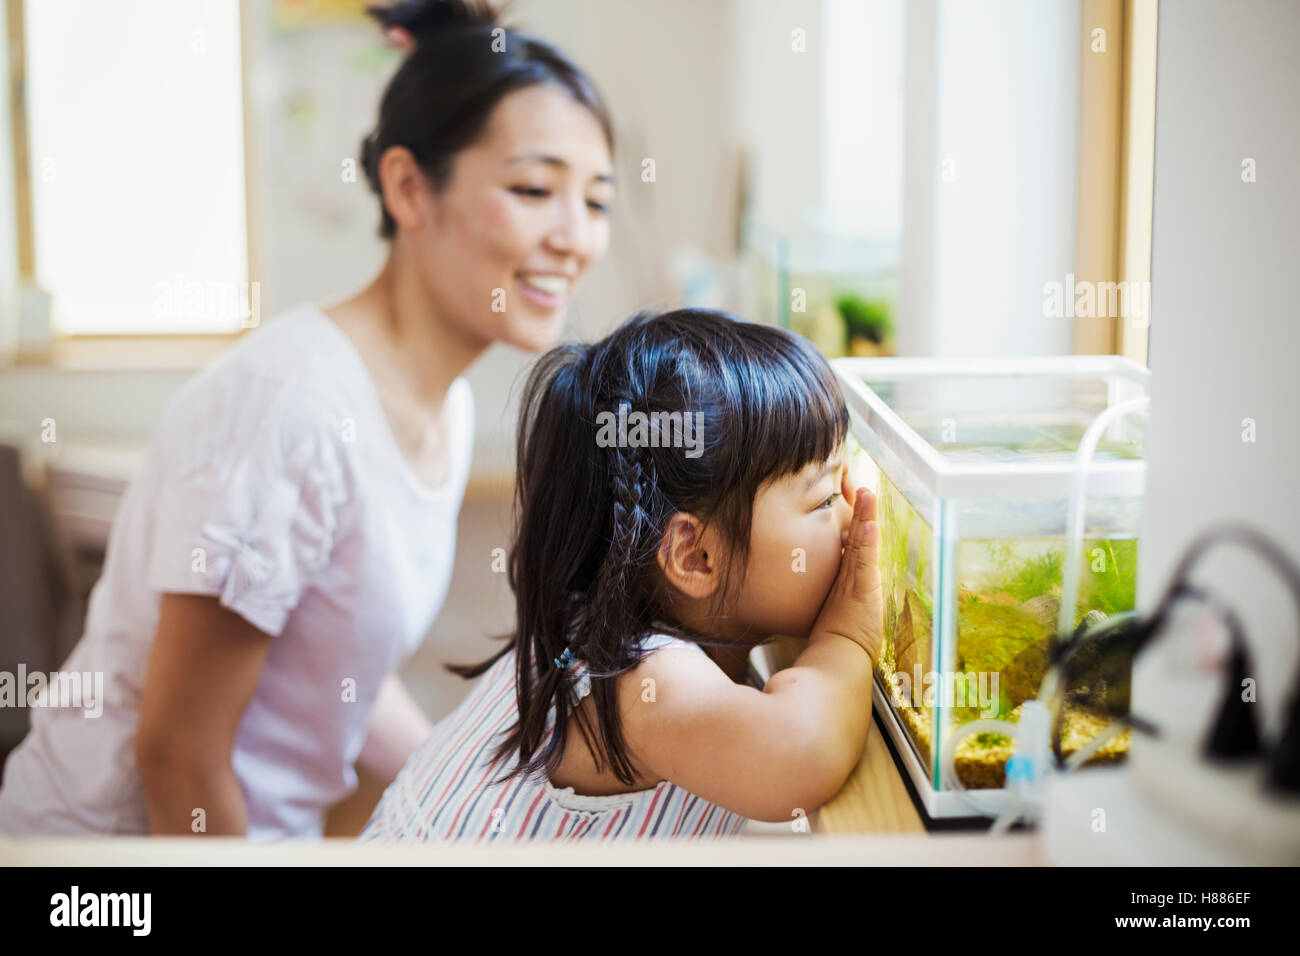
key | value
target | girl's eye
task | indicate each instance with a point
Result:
(830, 500)
(598, 206)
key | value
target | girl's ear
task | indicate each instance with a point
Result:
(686, 559)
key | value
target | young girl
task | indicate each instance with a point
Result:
(653, 551)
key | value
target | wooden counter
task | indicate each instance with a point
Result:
(874, 799)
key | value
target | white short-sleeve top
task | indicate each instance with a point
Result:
(273, 482)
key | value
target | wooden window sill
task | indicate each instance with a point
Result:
(129, 352)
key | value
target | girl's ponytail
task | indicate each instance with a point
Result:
(560, 489)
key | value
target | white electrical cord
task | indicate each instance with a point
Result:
(1037, 731)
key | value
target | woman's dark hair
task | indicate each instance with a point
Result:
(590, 514)
(463, 64)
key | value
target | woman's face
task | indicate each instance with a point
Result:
(522, 217)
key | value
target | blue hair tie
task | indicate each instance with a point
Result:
(565, 659)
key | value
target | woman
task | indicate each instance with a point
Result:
(290, 538)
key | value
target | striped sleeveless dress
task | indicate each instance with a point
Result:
(445, 791)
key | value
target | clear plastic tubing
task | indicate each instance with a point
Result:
(1078, 503)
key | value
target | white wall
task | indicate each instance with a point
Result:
(1224, 339)
(986, 84)
(862, 110)
(778, 106)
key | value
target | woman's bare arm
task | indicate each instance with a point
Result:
(397, 727)
(202, 673)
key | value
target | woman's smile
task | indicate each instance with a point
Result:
(547, 290)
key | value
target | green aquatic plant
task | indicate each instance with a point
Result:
(893, 558)
(1038, 575)
(909, 600)
(923, 592)
(869, 318)
(1108, 579)
(926, 599)
(1112, 587)
(1029, 577)
(992, 637)
(896, 521)
(1131, 449)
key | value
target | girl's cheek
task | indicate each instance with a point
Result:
(830, 563)
(823, 559)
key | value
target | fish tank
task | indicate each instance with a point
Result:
(838, 291)
(973, 462)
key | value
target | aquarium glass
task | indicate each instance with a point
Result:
(973, 582)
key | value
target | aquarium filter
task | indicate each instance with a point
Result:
(1234, 736)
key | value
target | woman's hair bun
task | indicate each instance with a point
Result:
(421, 18)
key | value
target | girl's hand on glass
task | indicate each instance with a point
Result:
(855, 606)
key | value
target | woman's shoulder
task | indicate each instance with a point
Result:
(460, 399)
(265, 412)
(287, 372)
(295, 346)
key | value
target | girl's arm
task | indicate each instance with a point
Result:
(203, 670)
(776, 753)
(397, 727)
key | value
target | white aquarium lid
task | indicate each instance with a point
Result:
(1000, 427)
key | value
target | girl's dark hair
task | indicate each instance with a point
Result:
(463, 64)
(590, 517)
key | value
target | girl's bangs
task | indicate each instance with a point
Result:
(796, 414)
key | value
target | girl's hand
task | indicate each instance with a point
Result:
(855, 606)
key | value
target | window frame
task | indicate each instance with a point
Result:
(1116, 166)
